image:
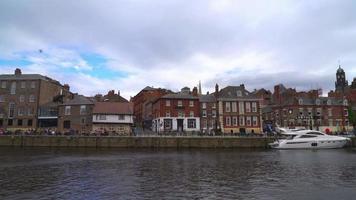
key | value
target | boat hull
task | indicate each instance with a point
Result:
(323, 144)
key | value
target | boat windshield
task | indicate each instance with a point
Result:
(290, 137)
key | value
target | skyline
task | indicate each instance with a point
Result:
(127, 45)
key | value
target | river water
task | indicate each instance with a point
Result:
(43, 173)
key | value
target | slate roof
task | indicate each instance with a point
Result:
(232, 92)
(26, 77)
(79, 100)
(179, 96)
(207, 98)
(116, 108)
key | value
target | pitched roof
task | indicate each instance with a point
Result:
(79, 100)
(179, 96)
(26, 77)
(235, 92)
(113, 108)
(207, 98)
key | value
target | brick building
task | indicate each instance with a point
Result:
(319, 113)
(139, 101)
(208, 113)
(238, 110)
(75, 115)
(177, 112)
(22, 96)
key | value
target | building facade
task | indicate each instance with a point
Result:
(139, 101)
(208, 113)
(322, 113)
(113, 118)
(75, 115)
(22, 96)
(177, 112)
(239, 110)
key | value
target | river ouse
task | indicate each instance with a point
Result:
(37, 104)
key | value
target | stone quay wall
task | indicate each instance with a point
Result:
(135, 142)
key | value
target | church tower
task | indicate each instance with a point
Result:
(341, 83)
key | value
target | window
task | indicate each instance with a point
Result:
(300, 101)
(1, 122)
(13, 88)
(318, 111)
(345, 102)
(254, 107)
(29, 122)
(241, 107)
(19, 122)
(330, 122)
(346, 112)
(67, 110)
(317, 101)
(233, 106)
(180, 103)
(83, 110)
(2, 98)
(314, 133)
(204, 105)
(32, 98)
(11, 110)
(228, 121)
(213, 106)
(213, 113)
(23, 84)
(168, 103)
(30, 111)
(20, 111)
(308, 136)
(248, 121)
(191, 114)
(248, 107)
(234, 121)
(204, 124)
(242, 121)
(328, 102)
(330, 113)
(22, 98)
(191, 123)
(10, 122)
(213, 124)
(254, 121)
(168, 114)
(33, 84)
(227, 107)
(181, 114)
(82, 120)
(3, 84)
(167, 124)
(191, 103)
(121, 117)
(66, 124)
(204, 113)
(239, 93)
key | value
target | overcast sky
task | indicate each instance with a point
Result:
(100, 45)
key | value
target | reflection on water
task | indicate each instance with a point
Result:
(44, 173)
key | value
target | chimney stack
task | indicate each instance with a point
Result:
(216, 90)
(66, 87)
(195, 91)
(18, 71)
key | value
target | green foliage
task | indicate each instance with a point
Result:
(352, 116)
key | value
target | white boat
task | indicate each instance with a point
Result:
(309, 139)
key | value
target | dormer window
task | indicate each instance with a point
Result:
(328, 102)
(300, 101)
(239, 93)
(317, 102)
(345, 102)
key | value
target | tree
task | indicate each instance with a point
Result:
(352, 118)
